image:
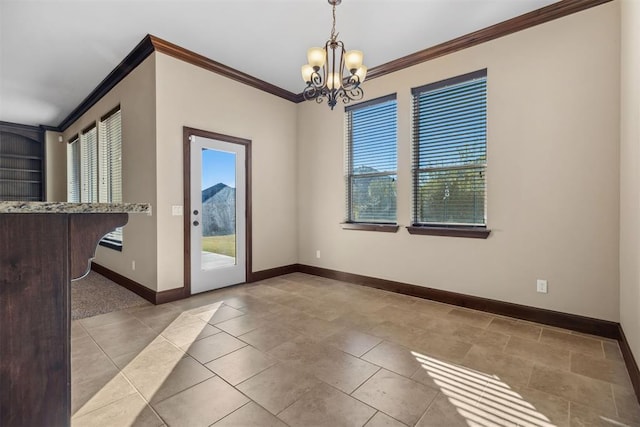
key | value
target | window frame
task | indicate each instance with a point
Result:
(89, 187)
(434, 228)
(350, 223)
(105, 176)
(73, 170)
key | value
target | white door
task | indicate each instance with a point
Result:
(218, 214)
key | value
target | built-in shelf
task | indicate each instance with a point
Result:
(21, 170)
(21, 162)
(20, 156)
(24, 181)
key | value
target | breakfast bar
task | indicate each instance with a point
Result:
(43, 246)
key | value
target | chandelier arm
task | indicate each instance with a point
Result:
(342, 53)
(333, 66)
(316, 80)
(351, 82)
(325, 68)
(310, 92)
(354, 94)
(341, 70)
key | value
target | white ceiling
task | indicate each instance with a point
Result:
(53, 53)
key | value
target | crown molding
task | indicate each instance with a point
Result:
(150, 44)
(519, 23)
(50, 128)
(198, 60)
(128, 64)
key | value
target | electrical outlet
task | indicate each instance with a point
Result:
(541, 286)
(318, 253)
(133, 265)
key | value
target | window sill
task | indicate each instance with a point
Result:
(111, 245)
(471, 232)
(364, 226)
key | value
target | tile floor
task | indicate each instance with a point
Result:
(300, 350)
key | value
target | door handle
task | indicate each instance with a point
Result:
(196, 223)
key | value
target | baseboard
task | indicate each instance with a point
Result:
(273, 272)
(135, 287)
(125, 282)
(573, 322)
(630, 361)
(163, 297)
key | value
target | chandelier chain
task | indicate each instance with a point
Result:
(333, 28)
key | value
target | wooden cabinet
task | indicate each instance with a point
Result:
(39, 255)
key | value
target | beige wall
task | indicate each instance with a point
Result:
(630, 175)
(56, 167)
(552, 178)
(193, 97)
(136, 96)
(157, 99)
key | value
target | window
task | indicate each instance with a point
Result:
(73, 173)
(89, 165)
(94, 163)
(111, 168)
(449, 154)
(371, 159)
(110, 159)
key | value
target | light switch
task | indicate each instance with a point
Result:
(176, 210)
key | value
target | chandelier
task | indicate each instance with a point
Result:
(325, 74)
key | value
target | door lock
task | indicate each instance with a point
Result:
(196, 223)
(195, 212)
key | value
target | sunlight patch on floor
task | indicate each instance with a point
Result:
(146, 356)
(483, 400)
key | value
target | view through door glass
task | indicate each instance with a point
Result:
(218, 209)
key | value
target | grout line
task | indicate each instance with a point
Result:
(569, 410)
(531, 375)
(232, 412)
(613, 397)
(340, 391)
(371, 417)
(430, 405)
(363, 382)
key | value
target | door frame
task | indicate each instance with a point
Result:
(186, 161)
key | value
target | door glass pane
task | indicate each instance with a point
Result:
(218, 209)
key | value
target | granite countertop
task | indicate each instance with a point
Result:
(64, 207)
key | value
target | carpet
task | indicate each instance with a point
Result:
(95, 294)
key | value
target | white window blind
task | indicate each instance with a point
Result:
(89, 166)
(111, 159)
(449, 151)
(73, 170)
(371, 161)
(110, 143)
(94, 167)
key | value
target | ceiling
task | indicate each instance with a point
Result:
(53, 53)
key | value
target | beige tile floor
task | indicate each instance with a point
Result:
(300, 350)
